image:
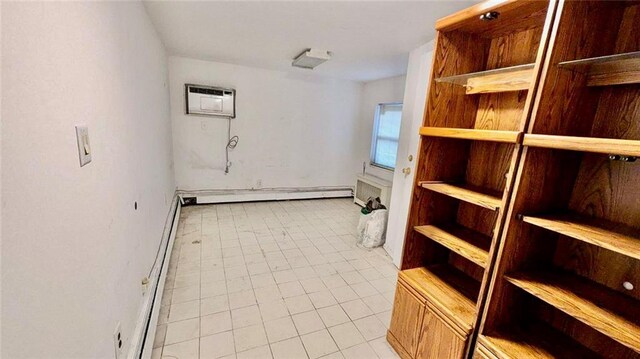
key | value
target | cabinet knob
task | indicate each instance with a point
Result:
(406, 170)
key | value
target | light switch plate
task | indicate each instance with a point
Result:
(84, 148)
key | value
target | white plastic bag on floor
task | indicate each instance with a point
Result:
(372, 228)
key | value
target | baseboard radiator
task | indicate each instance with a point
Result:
(263, 194)
(142, 340)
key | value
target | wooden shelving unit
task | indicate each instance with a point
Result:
(470, 194)
(615, 237)
(618, 69)
(465, 167)
(567, 271)
(512, 78)
(454, 291)
(536, 340)
(585, 144)
(603, 309)
(471, 245)
(473, 134)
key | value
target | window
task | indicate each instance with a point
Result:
(386, 131)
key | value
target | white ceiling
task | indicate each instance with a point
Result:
(369, 40)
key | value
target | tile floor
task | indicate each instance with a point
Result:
(275, 280)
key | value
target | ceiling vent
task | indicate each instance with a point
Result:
(311, 58)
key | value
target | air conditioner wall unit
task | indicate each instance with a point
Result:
(371, 186)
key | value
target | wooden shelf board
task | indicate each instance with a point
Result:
(612, 236)
(453, 292)
(585, 144)
(475, 196)
(618, 69)
(473, 134)
(534, 340)
(605, 310)
(514, 78)
(469, 244)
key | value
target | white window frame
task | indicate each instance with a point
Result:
(374, 136)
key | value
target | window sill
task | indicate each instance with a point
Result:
(390, 169)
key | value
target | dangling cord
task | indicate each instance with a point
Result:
(232, 142)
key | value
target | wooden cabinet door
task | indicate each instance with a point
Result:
(438, 340)
(406, 321)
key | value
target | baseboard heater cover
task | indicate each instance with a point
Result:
(142, 343)
(266, 194)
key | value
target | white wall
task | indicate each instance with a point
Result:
(74, 250)
(376, 92)
(295, 130)
(415, 94)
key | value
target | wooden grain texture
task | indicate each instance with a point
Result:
(439, 340)
(606, 311)
(536, 340)
(612, 236)
(514, 16)
(475, 196)
(481, 351)
(504, 82)
(467, 243)
(472, 134)
(452, 292)
(585, 144)
(406, 319)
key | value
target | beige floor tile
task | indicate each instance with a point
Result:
(161, 332)
(212, 289)
(215, 323)
(334, 281)
(344, 294)
(263, 352)
(333, 315)
(318, 344)
(364, 289)
(322, 299)
(185, 350)
(383, 349)
(336, 355)
(371, 327)
(289, 349)
(385, 318)
(280, 329)
(377, 303)
(356, 309)
(291, 289)
(185, 294)
(313, 285)
(241, 299)
(213, 305)
(243, 317)
(361, 351)
(299, 304)
(308, 322)
(182, 331)
(346, 335)
(267, 294)
(186, 310)
(273, 310)
(249, 337)
(217, 345)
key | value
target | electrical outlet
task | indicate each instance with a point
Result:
(118, 340)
